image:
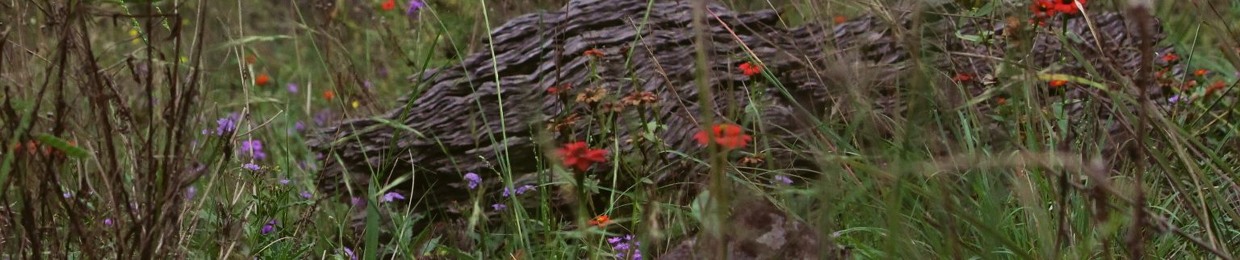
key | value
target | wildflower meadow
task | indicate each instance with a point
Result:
(619, 129)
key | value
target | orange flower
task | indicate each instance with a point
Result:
(262, 80)
(1170, 57)
(1201, 72)
(389, 5)
(729, 136)
(329, 95)
(580, 156)
(1058, 83)
(600, 221)
(750, 69)
(840, 19)
(1001, 101)
(250, 59)
(593, 53)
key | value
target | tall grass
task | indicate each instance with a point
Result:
(113, 116)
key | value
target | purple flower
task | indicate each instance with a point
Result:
(1175, 99)
(525, 188)
(299, 126)
(68, 195)
(250, 166)
(357, 201)
(625, 247)
(414, 6)
(284, 181)
(305, 194)
(226, 125)
(499, 207)
(391, 196)
(783, 179)
(292, 87)
(349, 252)
(269, 227)
(253, 148)
(191, 192)
(473, 180)
(518, 191)
(368, 84)
(107, 222)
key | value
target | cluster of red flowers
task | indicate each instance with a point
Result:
(728, 136)
(579, 156)
(1048, 8)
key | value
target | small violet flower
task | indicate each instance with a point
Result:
(473, 180)
(191, 192)
(499, 207)
(269, 227)
(253, 148)
(292, 87)
(520, 190)
(414, 6)
(392, 196)
(305, 194)
(625, 247)
(349, 252)
(783, 179)
(250, 166)
(226, 125)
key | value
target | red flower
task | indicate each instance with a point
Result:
(1058, 83)
(1201, 72)
(962, 77)
(262, 80)
(560, 89)
(593, 53)
(580, 156)
(1170, 57)
(749, 69)
(1215, 87)
(729, 136)
(600, 221)
(1047, 8)
(389, 5)
(329, 95)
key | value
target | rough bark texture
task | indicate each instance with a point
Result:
(454, 126)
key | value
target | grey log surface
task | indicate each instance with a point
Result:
(457, 116)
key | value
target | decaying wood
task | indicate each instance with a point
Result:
(454, 126)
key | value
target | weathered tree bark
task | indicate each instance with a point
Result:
(489, 107)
